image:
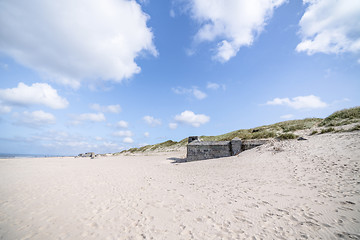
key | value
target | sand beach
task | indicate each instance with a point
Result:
(179, 120)
(281, 190)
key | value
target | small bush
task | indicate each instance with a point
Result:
(144, 148)
(285, 136)
(314, 132)
(355, 128)
(132, 150)
(327, 130)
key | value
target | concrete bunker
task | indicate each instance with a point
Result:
(88, 154)
(200, 150)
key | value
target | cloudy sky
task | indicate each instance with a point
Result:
(103, 76)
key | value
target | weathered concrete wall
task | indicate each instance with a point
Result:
(89, 154)
(197, 150)
(235, 145)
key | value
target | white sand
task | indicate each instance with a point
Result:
(282, 190)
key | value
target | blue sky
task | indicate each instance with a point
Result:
(103, 76)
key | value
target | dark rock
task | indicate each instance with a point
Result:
(89, 154)
(193, 138)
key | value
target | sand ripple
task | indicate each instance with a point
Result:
(281, 190)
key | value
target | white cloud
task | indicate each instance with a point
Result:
(235, 23)
(59, 142)
(146, 134)
(110, 145)
(301, 102)
(70, 41)
(199, 94)
(173, 125)
(330, 26)
(122, 124)
(126, 133)
(180, 90)
(92, 117)
(338, 101)
(110, 108)
(35, 118)
(36, 94)
(226, 51)
(194, 91)
(190, 52)
(287, 116)
(190, 118)
(151, 121)
(4, 108)
(128, 140)
(215, 86)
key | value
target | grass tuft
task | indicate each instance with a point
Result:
(342, 117)
(286, 136)
(355, 128)
(327, 130)
(314, 132)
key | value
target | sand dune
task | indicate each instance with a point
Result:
(281, 190)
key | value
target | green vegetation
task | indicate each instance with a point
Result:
(314, 132)
(294, 125)
(327, 130)
(263, 134)
(151, 147)
(281, 130)
(342, 117)
(163, 145)
(267, 131)
(286, 136)
(355, 128)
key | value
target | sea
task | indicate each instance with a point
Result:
(14, 155)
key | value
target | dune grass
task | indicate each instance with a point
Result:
(355, 128)
(282, 130)
(327, 130)
(314, 132)
(342, 117)
(286, 136)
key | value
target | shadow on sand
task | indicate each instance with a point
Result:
(177, 160)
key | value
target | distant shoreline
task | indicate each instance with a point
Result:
(13, 156)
